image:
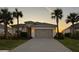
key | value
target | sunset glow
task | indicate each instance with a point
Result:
(43, 14)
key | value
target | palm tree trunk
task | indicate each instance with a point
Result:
(57, 25)
(17, 26)
(5, 30)
(30, 31)
(73, 29)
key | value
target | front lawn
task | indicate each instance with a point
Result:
(10, 44)
(71, 44)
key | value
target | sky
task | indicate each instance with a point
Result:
(43, 14)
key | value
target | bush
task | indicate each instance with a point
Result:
(67, 34)
(25, 35)
(22, 35)
(76, 35)
(72, 36)
(59, 36)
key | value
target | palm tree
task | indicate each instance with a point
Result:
(17, 14)
(6, 18)
(57, 14)
(72, 17)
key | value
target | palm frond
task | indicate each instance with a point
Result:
(16, 9)
(5, 15)
(14, 14)
(57, 13)
(20, 14)
(67, 20)
(1, 21)
(77, 18)
(53, 17)
(17, 13)
(11, 22)
(72, 17)
(60, 16)
(52, 13)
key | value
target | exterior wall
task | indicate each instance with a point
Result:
(22, 29)
(1, 31)
(33, 32)
(13, 30)
(77, 30)
(54, 31)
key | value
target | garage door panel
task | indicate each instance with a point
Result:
(43, 33)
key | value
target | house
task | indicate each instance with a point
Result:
(76, 27)
(70, 28)
(22, 27)
(2, 30)
(43, 30)
(38, 29)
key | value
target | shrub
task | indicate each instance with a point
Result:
(67, 34)
(59, 36)
(72, 36)
(76, 35)
(25, 35)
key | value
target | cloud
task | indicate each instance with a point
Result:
(49, 9)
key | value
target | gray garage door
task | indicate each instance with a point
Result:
(43, 33)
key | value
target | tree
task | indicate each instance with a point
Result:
(72, 17)
(17, 14)
(6, 18)
(57, 14)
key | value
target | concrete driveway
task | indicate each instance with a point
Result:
(41, 45)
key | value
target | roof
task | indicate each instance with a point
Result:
(35, 24)
(40, 24)
(76, 26)
(43, 25)
(20, 25)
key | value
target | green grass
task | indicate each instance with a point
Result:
(10, 44)
(71, 44)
